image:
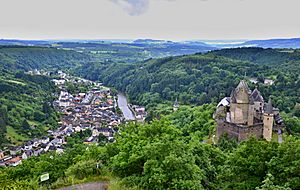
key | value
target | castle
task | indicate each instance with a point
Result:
(245, 114)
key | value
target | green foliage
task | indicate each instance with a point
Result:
(26, 106)
(226, 144)
(202, 78)
(78, 138)
(285, 166)
(163, 155)
(151, 157)
(269, 185)
(246, 167)
(197, 119)
(292, 124)
(82, 169)
(29, 58)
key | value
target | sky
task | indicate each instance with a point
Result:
(157, 19)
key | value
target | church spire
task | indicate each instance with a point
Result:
(175, 105)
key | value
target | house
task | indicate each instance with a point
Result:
(95, 132)
(1, 154)
(28, 145)
(105, 131)
(114, 123)
(77, 129)
(64, 103)
(58, 81)
(27, 154)
(52, 148)
(36, 142)
(14, 161)
(269, 82)
(15, 150)
(90, 140)
(38, 152)
(45, 139)
(57, 141)
(253, 80)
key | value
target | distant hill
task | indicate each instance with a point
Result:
(29, 58)
(120, 51)
(274, 43)
(269, 57)
(23, 42)
(150, 41)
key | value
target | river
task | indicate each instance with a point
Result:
(123, 105)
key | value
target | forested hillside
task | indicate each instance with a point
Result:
(29, 58)
(26, 109)
(26, 100)
(204, 78)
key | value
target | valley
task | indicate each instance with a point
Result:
(79, 126)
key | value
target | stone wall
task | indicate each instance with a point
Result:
(239, 113)
(237, 132)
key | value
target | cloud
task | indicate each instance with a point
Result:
(137, 7)
(133, 7)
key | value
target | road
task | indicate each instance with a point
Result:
(88, 186)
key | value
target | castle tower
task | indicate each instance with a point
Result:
(240, 101)
(268, 121)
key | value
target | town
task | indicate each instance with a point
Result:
(96, 109)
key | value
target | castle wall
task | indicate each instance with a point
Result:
(237, 132)
(258, 107)
(242, 96)
(250, 115)
(239, 113)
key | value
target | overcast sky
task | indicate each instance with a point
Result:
(159, 19)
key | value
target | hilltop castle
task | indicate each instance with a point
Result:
(246, 114)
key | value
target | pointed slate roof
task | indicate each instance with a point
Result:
(241, 89)
(232, 97)
(243, 85)
(269, 107)
(257, 97)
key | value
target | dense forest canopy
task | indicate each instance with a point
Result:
(204, 78)
(25, 106)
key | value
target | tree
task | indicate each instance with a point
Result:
(296, 110)
(102, 140)
(82, 169)
(247, 165)
(285, 166)
(268, 184)
(25, 125)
